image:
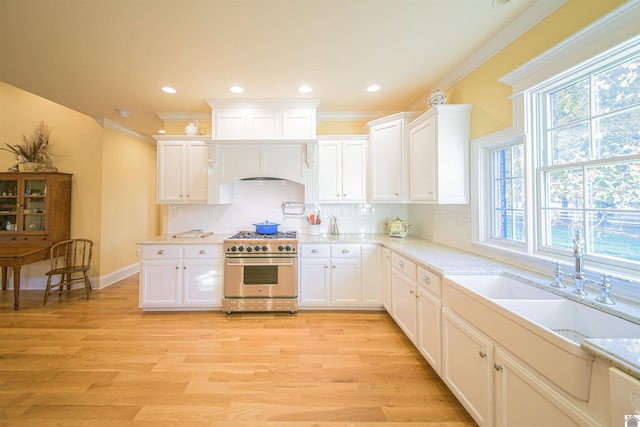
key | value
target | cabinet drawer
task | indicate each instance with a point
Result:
(202, 251)
(14, 238)
(314, 251)
(430, 281)
(161, 252)
(407, 267)
(346, 250)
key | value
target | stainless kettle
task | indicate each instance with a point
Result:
(333, 225)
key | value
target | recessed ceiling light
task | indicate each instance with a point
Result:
(168, 89)
(373, 88)
(236, 89)
(305, 89)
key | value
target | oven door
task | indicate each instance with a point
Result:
(261, 277)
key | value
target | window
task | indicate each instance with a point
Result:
(589, 162)
(508, 215)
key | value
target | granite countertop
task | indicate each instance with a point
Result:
(623, 353)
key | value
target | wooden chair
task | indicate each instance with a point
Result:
(71, 260)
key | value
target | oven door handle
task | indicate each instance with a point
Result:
(259, 264)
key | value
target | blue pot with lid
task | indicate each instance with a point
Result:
(266, 227)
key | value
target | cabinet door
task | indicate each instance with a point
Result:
(298, 124)
(385, 278)
(202, 280)
(466, 368)
(160, 283)
(314, 282)
(524, 399)
(263, 125)
(230, 124)
(196, 173)
(371, 280)
(386, 148)
(429, 329)
(354, 171)
(404, 303)
(170, 172)
(346, 284)
(422, 162)
(329, 171)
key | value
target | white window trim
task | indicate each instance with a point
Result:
(615, 30)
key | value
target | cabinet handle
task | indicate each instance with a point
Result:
(202, 251)
(497, 367)
(345, 251)
(425, 279)
(344, 195)
(337, 195)
(177, 268)
(326, 266)
(482, 354)
(160, 252)
(411, 292)
(401, 264)
(333, 266)
(314, 251)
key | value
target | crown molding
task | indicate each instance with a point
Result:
(351, 116)
(618, 28)
(108, 123)
(185, 116)
(516, 28)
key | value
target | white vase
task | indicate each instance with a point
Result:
(191, 128)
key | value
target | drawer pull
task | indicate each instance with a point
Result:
(401, 264)
(161, 252)
(482, 354)
(425, 279)
(497, 367)
(314, 251)
(345, 251)
(202, 251)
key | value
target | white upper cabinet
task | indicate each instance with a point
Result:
(389, 158)
(263, 119)
(342, 169)
(182, 169)
(439, 155)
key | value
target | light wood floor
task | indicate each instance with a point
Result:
(104, 362)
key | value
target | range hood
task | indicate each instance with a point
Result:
(241, 160)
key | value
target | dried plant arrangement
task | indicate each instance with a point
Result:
(34, 149)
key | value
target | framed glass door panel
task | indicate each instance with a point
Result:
(8, 204)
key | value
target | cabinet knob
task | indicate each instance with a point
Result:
(161, 252)
(425, 279)
(411, 292)
(497, 367)
(345, 251)
(482, 354)
(401, 264)
(202, 251)
(344, 195)
(337, 195)
(314, 251)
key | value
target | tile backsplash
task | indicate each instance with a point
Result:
(260, 200)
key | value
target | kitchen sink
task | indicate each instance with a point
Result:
(571, 319)
(498, 286)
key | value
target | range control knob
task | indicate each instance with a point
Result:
(234, 248)
(265, 248)
(288, 247)
(257, 248)
(281, 248)
(249, 249)
(241, 248)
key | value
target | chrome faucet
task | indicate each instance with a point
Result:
(578, 255)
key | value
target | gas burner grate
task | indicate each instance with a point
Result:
(253, 235)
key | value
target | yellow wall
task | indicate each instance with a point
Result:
(129, 210)
(113, 185)
(492, 109)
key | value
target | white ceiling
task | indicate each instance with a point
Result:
(96, 56)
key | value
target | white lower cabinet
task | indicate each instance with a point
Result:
(404, 305)
(385, 278)
(524, 399)
(429, 328)
(174, 276)
(331, 275)
(467, 366)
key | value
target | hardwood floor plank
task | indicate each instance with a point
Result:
(105, 362)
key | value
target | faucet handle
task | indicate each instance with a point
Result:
(557, 277)
(604, 291)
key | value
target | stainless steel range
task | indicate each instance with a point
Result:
(261, 272)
